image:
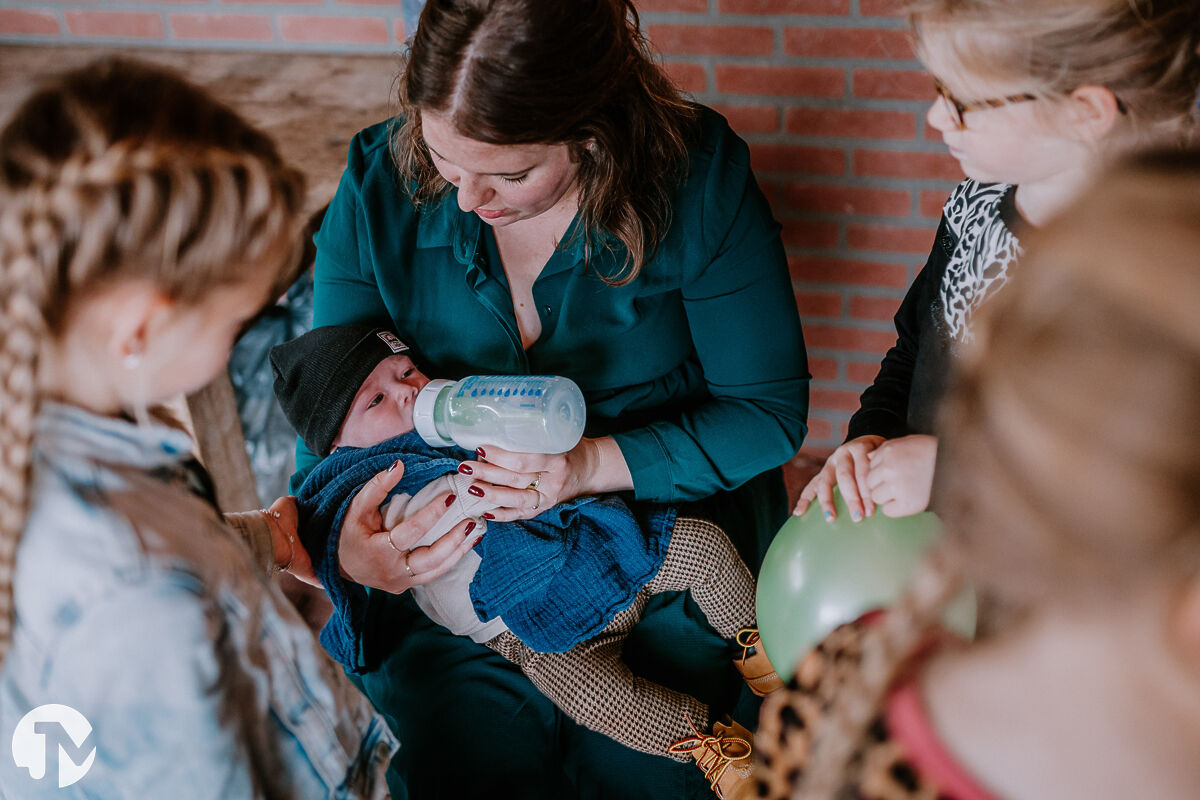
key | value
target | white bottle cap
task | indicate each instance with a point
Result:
(423, 413)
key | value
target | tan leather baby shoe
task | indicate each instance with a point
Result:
(754, 666)
(723, 755)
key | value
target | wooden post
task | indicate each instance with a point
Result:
(221, 445)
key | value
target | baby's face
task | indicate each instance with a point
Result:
(383, 407)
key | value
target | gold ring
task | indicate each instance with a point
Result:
(411, 574)
(537, 481)
(538, 503)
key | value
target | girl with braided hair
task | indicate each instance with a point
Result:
(1070, 486)
(141, 225)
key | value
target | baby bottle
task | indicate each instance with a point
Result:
(522, 413)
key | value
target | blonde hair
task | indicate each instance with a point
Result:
(1143, 51)
(113, 171)
(1069, 468)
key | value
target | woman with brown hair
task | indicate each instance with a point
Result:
(1070, 485)
(547, 202)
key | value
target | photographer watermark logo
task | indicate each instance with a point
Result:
(54, 735)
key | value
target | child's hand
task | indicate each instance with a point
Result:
(847, 467)
(283, 518)
(901, 474)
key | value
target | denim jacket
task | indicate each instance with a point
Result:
(139, 609)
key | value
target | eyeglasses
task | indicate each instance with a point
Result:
(957, 107)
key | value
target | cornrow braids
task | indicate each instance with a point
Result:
(119, 171)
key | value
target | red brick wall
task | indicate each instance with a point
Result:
(321, 25)
(832, 102)
(826, 92)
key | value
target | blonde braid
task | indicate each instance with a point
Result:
(23, 239)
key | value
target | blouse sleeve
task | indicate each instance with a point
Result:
(742, 316)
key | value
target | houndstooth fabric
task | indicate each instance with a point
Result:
(700, 558)
(591, 683)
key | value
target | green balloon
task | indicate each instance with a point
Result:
(818, 575)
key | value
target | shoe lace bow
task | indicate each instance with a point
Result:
(747, 639)
(716, 753)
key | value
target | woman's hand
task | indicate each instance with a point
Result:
(901, 474)
(371, 555)
(846, 467)
(283, 518)
(524, 485)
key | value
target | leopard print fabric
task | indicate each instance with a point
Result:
(791, 717)
(980, 261)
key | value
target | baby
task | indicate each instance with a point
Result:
(556, 594)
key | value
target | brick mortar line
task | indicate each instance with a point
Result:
(846, 253)
(921, 222)
(839, 384)
(862, 181)
(829, 103)
(853, 103)
(854, 323)
(895, 63)
(864, 220)
(900, 146)
(825, 352)
(822, 21)
(928, 146)
(249, 9)
(868, 291)
(222, 45)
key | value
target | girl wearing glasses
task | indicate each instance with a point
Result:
(1032, 98)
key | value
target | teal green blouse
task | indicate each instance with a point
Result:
(697, 368)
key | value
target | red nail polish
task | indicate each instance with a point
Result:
(488, 515)
(470, 526)
(479, 452)
(478, 539)
(475, 490)
(465, 469)
(395, 464)
(449, 500)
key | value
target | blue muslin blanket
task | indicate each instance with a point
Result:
(557, 579)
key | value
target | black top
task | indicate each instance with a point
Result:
(975, 244)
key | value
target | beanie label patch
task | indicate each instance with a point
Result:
(392, 341)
